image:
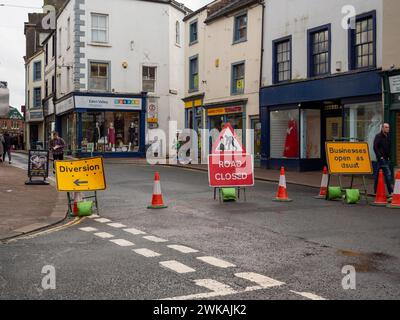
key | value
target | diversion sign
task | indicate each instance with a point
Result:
(348, 158)
(80, 175)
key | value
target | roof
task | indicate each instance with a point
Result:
(14, 114)
(226, 7)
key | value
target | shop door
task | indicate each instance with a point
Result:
(334, 128)
(34, 137)
(256, 127)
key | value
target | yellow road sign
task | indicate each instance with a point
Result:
(348, 158)
(80, 175)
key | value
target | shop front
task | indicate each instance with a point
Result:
(107, 125)
(391, 80)
(194, 116)
(298, 118)
(49, 121)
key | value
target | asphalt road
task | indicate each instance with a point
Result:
(256, 249)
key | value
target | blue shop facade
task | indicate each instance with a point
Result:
(298, 117)
(108, 125)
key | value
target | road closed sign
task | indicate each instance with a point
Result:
(348, 158)
(229, 165)
(80, 175)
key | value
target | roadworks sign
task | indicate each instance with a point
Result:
(348, 158)
(80, 175)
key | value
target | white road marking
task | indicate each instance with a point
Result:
(216, 262)
(155, 239)
(182, 249)
(88, 229)
(116, 225)
(94, 216)
(176, 266)
(308, 295)
(134, 231)
(262, 281)
(104, 235)
(103, 220)
(147, 253)
(218, 289)
(122, 242)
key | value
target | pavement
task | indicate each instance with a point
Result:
(198, 248)
(26, 209)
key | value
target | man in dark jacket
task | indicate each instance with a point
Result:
(7, 143)
(382, 152)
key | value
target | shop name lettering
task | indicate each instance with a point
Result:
(345, 157)
(98, 101)
(87, 168)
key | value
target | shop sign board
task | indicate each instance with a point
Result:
(229, 165)
(226, 110)
(65, 105)
(38, 165)
(80, 175)
(395, 84)
(114, 103)
(348, 158)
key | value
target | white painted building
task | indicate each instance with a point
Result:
(108, 55)
(320, 78)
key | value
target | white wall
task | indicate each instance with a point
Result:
(295, 17)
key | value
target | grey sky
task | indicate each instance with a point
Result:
(12, 41)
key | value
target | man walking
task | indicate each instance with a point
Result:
(382, 152)
(7, 143)
(57, 145)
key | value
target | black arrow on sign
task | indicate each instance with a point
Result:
(78, 183)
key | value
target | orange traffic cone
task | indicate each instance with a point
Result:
(77, 198)
(157, 201)
(282, 195)
(324, 185)
(380, 198)
(396, 193)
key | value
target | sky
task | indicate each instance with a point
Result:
(12, 43)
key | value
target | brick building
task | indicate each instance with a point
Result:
(14, 124)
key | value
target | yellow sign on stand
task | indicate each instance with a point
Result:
(348, 158)
(80, 175)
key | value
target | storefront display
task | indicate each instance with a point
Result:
(284, 134)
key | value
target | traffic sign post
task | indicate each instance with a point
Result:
(229, 166)
(349, 158)
(81, 176)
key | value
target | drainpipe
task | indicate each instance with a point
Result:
(261, 75)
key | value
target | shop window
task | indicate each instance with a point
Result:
(110, 132)
(363, 121)
(310, 134)
(68, 125)
(363, 42)
(238, 71)
(149, 79)
(284, 134)
(240, 30)
(99, 76)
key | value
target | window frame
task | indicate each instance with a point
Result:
(35, 78)
(155, 77)
(194, 89)
(108, 63)
(35, 90)
(236, 25)
(233, 66)
(107, 16)
(352, 41)
(275, 75)
(177, 33)
(191, 42)
(310, 42)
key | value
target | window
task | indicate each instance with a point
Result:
(53, 84)
(282, 60)
(99, 76)
(363, 42)
(46, 54)
(37, 71)
(149, 79)
(53, 46)
(193, 32)
(238, 78)
(59, 42)
(240, 29)
(194, 74)
(37, 97)
(68, 33)
(319, 51)
(46, 88)
(178, 33)
(99, 28)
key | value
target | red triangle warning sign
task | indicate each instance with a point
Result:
(227, 142)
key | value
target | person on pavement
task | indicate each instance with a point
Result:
(1, 147)
(57, 145)
(6, 141)
(382, 152)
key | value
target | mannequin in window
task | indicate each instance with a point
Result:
(96, 135)
(132, 135)
(111, 136)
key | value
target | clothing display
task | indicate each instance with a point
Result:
(111, 135)
(292, 141)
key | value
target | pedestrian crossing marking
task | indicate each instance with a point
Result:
(103, 220)
(155, 239)
(147, 253)
(177, 266)
(88, 229)
(122, 242)
(182, 249)
(116, 225)
(104, 235)
(216, 262)
(134, 231)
